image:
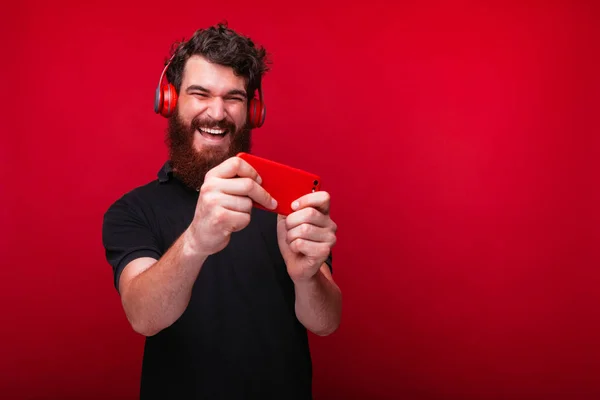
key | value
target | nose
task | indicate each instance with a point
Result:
(216, 109)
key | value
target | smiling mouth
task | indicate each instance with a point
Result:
(213, 133)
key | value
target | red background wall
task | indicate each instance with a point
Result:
(459, 142)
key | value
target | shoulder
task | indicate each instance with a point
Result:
(128, 229)
(134, 200)
(145, 196)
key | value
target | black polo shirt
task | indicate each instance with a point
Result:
(239, 337)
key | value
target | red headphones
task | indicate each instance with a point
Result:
(165, 99)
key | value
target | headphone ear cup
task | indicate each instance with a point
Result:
(169, 100)
(158, 100)
(256, 113)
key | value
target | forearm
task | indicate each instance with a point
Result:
(318, 304)
(156, 298)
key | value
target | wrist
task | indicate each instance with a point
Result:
(310, 281)
(190, 246)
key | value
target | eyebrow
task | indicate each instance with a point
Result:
(199, 88)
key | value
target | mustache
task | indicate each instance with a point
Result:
(199, 122)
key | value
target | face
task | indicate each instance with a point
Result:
(209, 124)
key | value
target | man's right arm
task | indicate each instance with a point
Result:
(155, 293)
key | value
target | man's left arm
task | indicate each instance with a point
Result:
(305, 239)
(319, 302)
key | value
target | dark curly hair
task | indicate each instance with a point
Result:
(221, 45)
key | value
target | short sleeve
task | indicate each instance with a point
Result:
(126, 235)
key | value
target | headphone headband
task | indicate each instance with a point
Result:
(165, 99)
(165, 69)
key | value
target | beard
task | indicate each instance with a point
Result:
(190, 165)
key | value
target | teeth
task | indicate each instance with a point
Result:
(213, 131)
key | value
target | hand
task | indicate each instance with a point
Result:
(225, 204)
(306, 236)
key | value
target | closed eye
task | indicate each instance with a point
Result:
(233, 95)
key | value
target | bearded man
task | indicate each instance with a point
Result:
(223, 292)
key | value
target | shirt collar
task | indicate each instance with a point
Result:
(165, 173)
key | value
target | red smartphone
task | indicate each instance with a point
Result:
(283, 182)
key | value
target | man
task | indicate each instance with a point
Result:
(224, 292)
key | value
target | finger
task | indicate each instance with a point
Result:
(310, 249)
(244, 187)
(312, 233)
(233, 167)
(307, 216)
(319, 200)
(235, 221)
(262, 197)
(229, 202)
